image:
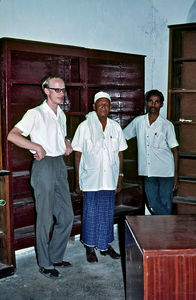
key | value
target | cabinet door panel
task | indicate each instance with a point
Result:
(187, 167)
(21, 158)
(187, 140)
(188, 75)
(187, 189)
(111, 72)
(28, 66)
(21, 185)
(183, 106)
(188, 107)
(188, 44)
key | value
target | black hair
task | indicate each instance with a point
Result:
(154, 93)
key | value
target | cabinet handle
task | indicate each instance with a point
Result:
(2, 202)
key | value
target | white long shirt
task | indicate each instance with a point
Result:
(45, 128)
(99, 164)
(154, 141)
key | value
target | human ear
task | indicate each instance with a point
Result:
(46, 91)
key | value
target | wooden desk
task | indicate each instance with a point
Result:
(161, 257)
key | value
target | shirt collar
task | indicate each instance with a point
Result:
(155, 122)
(47, 108)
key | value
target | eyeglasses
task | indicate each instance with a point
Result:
(57, 90)
(155, 102)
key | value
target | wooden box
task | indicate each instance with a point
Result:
(160, 257)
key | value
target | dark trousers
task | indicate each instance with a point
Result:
(53, 207)
(159, 192)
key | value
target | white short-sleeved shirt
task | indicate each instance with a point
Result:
(155, 141)
(99, 168)
(45, 128)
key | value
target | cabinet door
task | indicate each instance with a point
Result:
(182, 110)
(7, 257)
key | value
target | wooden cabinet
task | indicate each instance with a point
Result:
(85, 71)
(7, 260)
(160, 257)
(182, 110)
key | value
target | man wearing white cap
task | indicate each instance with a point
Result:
(99, 143)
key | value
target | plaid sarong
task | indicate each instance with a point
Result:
(98, 219)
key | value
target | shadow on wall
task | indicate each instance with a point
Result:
(192, 13)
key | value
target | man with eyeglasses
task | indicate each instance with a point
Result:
(46, 126)
(157, 154)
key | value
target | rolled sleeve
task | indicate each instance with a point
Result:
(171, 137)
(77, 142)
(123, 144)
(26, 124)
(130, 130)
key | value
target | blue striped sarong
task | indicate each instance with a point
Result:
(98, 219)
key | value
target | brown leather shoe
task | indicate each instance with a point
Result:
(113, 254)
(91, 255)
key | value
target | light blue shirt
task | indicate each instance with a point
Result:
(154, 141)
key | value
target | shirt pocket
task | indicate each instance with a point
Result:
(90, 155)
(159, 140)
(114, 144)
(88, 146)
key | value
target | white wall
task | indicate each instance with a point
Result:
(118, 25)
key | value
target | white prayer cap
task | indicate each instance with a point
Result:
(101, 95)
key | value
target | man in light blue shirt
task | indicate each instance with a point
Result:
(157, 154)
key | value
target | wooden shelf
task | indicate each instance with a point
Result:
(187, 178)
(182, 109)
(178, 90)
(185, 205)
(184, 199)
(187, 155)
(4, 172)
(184, 122)
(21, 173)
(37, 83)
(184, 59)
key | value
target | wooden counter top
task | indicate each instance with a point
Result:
(164, 232)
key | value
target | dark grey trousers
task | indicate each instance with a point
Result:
(53, 207)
